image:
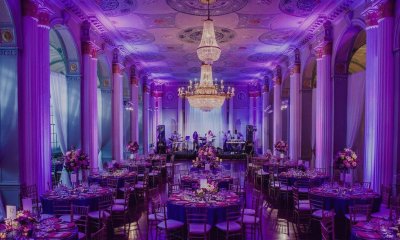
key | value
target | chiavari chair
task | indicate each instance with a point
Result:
(384, 211)
(173, 229)
(79, 215)
(196, 222)
(328, 225)
(231, 227)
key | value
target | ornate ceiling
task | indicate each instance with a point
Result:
(162, 35)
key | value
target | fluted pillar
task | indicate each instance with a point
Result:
(180, 115)
(371, 164)
(117, 109)
(135, 100)
(89, 109)
(146, 99)
(34, 98)
(324, 106)
(231, 124)
(251, 109)
(277, 118)
(264, 120)
(295, 115)
(385, 93)
(157, 112)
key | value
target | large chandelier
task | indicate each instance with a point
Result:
(208, 51)
(206, 95)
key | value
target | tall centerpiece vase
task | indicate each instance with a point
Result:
(131, 156)
(282, 155)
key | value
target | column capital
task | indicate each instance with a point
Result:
(116, 65)
(30, 8)
(371, 16)
(323, 49)
(265, 88)
(385, 8)
(278, 75)
(295, 69)
(43, 15)
(156, 93)
(133, 79)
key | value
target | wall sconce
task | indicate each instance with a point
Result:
(284, 105)
(128, 105)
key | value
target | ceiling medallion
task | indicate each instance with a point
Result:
(298, 8)
(193, 34)
(277, 36)
(199, 8)
(114, 8)
(136, 36)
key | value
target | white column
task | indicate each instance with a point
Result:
(89, 132)
(117, 110)
(371, 165)
(146, 99)
(231, 123)
(324, 109)
(295, 116)
(180, 115)
(277, 120)
(251, 109)
(385, 94)
(135, 101)
(264, 114)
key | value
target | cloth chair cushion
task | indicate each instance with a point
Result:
(95, 214)
(233, 226)
(247, 219)
(249, 211)
(358, 218)
(285, 188)
(117, 208)
(198, 228)
(303, 207)
(171, 224)
(384, 213)
(317, 213)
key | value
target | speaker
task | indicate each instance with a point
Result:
(161, 144)
(249, 133)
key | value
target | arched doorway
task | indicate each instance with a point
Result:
(307, 87)
(64, 98)
(349, 94)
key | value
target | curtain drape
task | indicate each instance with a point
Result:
(202, 122)
(59, 100)
(355, 106)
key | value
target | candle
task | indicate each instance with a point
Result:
(207, 167)
(11, 212)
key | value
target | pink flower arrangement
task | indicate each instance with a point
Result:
(132, 147)
(268, 155)
(208, 153)
(281, 146)
(75, 160)
(346, 159)
(21, 227)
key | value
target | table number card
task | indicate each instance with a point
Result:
(27, 204)
(207, 167)
(11, 212)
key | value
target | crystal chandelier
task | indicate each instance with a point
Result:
(208, 51)
(206, 95)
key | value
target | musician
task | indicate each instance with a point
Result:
(225, 139)
(195, 140)
(210, 137)
(175, 138)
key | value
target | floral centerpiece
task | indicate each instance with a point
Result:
(268, 155)
(281, 146)
(75, 160)
(206, 155)
(21, 227)
(210, 188)
(346, 159)
(133, 148)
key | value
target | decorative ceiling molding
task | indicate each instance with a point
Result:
(158, 20)
(255, 20)
(196, 7)
(193, 34)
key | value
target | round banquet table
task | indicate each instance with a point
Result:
(81, 198)
(372, 230)
(340, 203)
(193, 180)
(281, 167)
(52, 228)
(178, 202)
(102, 178)
(314, 180)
